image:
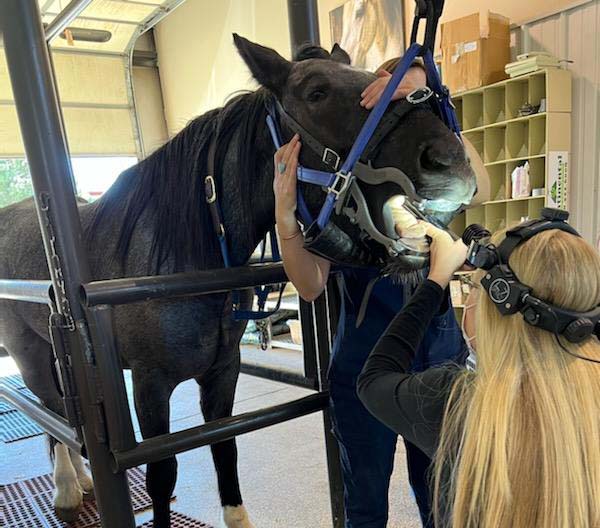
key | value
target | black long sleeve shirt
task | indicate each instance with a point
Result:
(412, 405)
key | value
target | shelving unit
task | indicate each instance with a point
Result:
(489, 118)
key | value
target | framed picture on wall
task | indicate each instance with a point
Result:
(371, 31)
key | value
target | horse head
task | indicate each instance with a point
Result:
(322, 94)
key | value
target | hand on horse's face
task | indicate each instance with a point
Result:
(415, 78)
(284, 186)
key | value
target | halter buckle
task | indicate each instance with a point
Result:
(331, 158)
(343, 179)
(420, 95)
(210, 189)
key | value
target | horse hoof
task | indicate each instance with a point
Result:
(68, 515)
(236, 517)
(89, 495)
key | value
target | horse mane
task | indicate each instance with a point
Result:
(169, 187)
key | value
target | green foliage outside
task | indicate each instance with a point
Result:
(15, 184)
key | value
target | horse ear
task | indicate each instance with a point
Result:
(269, 68)
(340, 55)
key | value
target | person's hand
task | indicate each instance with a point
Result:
(446, 256)
(415, 78)
(284, 187)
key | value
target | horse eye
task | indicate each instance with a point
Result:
(316, 95)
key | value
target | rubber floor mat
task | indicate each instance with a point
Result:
(28, 503)
(14, 425)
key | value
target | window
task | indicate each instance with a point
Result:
(93, 176)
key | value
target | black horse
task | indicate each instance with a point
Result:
(154, 219)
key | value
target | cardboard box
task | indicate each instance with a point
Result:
(475, 50)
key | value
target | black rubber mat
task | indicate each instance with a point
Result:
(28, 503)
(178, 520)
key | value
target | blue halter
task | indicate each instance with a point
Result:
(337, 181)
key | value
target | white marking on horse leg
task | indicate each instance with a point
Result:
(68, 495)
(236, 517)
(83, 477)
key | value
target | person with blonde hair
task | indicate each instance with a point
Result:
(515, 442)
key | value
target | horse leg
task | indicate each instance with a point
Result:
(35, 360)
(216, 399)
(68, 494)
(83, 476)
(151, 394)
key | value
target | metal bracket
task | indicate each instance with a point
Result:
(419, 95)
(55, 265)
(63, 359)
(210, 189)
(344, 179)
(331, 158)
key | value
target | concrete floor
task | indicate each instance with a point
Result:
(282, 469)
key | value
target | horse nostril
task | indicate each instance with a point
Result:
(434, 159)
(439, 156)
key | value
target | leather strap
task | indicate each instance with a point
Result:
(328, 156)
(210, 190)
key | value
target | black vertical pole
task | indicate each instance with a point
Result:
(49, 164)
(323, 336)
(309, 347)
(303, 16)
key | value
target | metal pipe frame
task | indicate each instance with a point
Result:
(53, 424)
(39, 292)
(65, 17)
(324, 339)
(88, 343)
(163, 446)
(137, 289)
(281, 376)
(43, 132)
(303, 16)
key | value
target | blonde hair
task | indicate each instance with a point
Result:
(520, 442)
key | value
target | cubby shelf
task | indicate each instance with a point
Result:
(504, 123)
(523, 158)
(489, 118)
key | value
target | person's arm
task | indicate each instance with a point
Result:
(307, 272)
(413, 404)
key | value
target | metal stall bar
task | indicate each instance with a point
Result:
(166, 445)
(50, 422)
(49, 162)
(303, 16)
(39, 292)
(324, 341)
(65, 17)
(317, 336)
(137, 289)
(281, 376)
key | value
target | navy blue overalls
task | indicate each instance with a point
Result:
(367, 446)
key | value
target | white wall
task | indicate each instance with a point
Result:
(199, 66)
(575, 35)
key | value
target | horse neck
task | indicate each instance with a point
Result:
(246, 193)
